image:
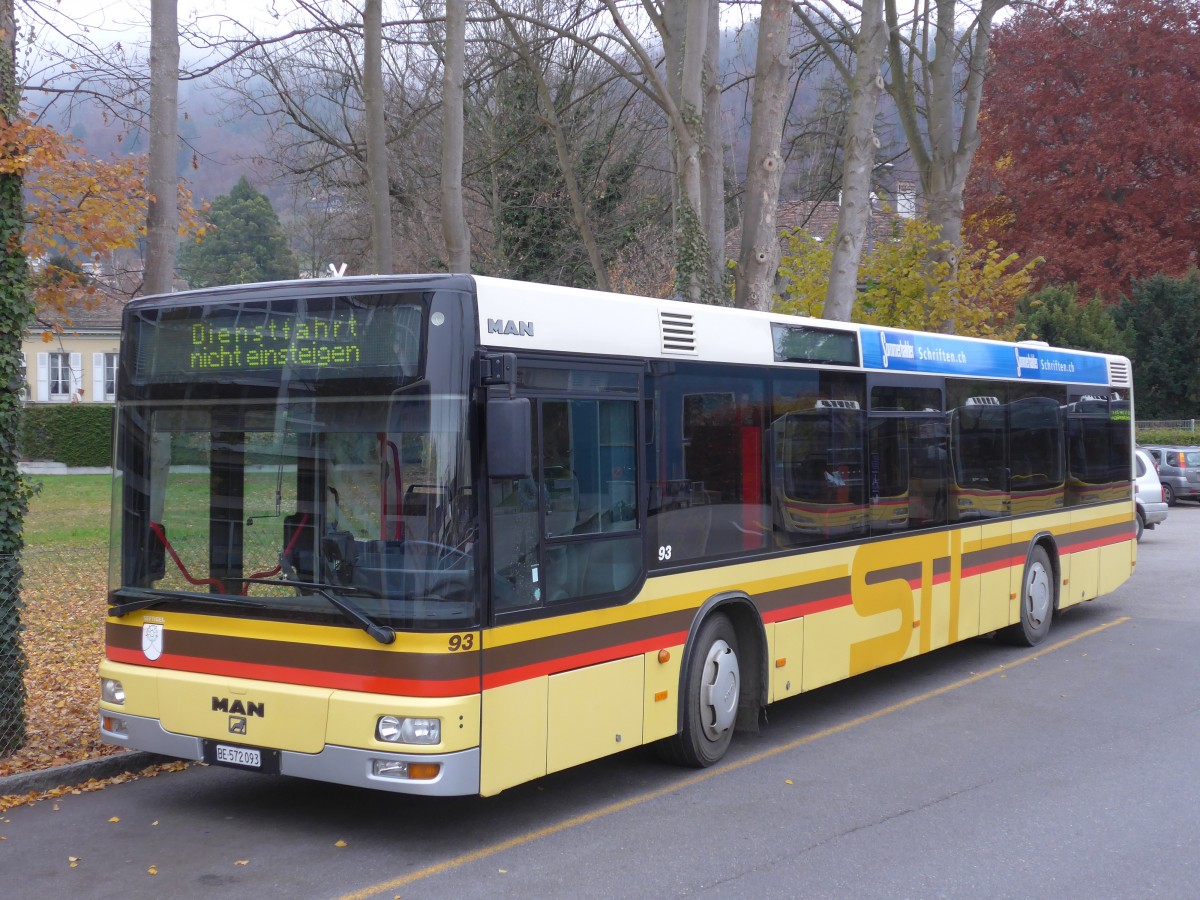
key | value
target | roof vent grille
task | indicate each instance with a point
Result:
(678, 331)
(1118, 373)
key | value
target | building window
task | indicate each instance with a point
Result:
(60, 376)
(110, 376)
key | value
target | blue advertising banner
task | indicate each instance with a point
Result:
(905, 351)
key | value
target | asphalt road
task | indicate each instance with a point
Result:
(977, 771)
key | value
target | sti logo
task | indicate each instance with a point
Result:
(500, 326)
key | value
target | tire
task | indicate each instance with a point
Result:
(1169, 494)
(1038, 595)
(711, 686)
(1141, 525)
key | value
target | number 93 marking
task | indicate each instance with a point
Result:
(461, 642)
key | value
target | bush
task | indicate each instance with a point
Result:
(73, 434)
(1170, 437)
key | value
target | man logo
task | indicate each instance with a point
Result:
(250, 709)
(500, 326)
(152, 640)
(237, 725)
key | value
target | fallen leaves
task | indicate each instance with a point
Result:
(10, 801)
(63, 618)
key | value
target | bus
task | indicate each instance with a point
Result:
(446, 534)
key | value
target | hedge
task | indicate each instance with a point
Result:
(75, 434)
(1168, 437)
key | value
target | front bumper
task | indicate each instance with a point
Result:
(459, 774)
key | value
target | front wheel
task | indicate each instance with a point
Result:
(711, 686)
(1037, 602)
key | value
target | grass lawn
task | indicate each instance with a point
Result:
(68, 511)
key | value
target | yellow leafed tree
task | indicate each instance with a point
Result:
(904, 282)
(77, 209)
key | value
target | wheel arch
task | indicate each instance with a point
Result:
(1046, 541)
(752, 652)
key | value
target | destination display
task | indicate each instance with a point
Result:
(905, 351)
(206, 343)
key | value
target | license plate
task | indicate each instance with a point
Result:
(238, 756)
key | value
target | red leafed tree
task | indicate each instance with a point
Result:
(1091, 141)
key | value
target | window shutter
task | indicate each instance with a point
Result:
(98, 378)
(43, 377)
(76, 375)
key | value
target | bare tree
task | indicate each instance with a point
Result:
(378, 183)
(579, 211)
(454, 220)
(759, 257)
(927, 57)
(162, 216)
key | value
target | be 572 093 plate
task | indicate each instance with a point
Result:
(241, 757)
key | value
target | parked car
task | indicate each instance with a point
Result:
(1178, 470)
(1149, 493)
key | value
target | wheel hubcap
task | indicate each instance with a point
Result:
(1038, 595)
(719, 690)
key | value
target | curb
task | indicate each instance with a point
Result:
(79, 772)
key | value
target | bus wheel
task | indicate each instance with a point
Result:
(711, 688)
(1037, 602)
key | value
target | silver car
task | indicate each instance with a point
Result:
(1178, 470)
(1149, 492)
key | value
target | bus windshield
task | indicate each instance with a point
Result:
(339, 500)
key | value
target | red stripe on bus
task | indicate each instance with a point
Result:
(807, 609)
(1099, 542)
(369, 684)
(579, 660)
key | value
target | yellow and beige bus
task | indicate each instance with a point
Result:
(446, 534)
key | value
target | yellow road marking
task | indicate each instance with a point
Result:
(575, 821)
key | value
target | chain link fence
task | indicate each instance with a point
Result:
(1167, 424)
(51, 643)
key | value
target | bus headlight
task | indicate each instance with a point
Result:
(112, 691)
(409, 730)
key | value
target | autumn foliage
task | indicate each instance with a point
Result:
(905, 282)
(77, 209)
(1091, 141)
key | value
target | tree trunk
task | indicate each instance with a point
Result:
(162, 216)
(374, 101)
(454, 220)
(755, 276)
(693, 273)
(16, 313)
(712, 158)
(860, 146)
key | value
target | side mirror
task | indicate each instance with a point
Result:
(509, 432)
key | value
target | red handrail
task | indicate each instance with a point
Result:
(162, 536)
(286, 553)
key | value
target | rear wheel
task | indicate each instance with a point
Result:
(1169, 494)
(711, 687)
(1037, 602)
(1141, 525)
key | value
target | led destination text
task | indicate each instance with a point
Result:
(276, 343)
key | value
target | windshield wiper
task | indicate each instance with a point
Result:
(147, 598)
(351, 611)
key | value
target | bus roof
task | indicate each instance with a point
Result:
(517, 315)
